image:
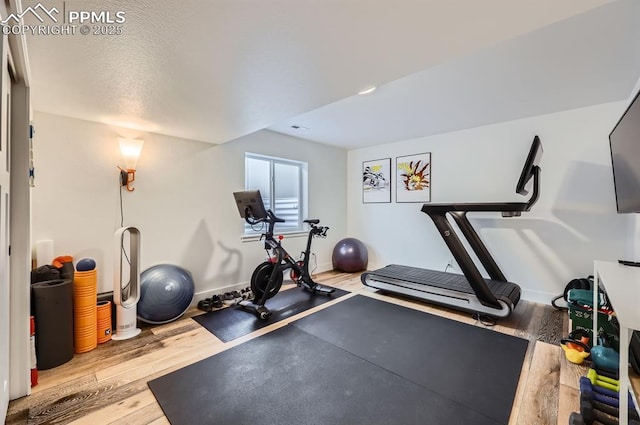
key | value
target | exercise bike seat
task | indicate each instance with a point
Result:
(312, 221)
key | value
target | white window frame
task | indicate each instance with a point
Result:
(303, 187)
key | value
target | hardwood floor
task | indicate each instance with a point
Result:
(109, 384)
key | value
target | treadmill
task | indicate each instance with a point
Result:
(495, 297)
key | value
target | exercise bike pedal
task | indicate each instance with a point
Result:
(324, 290)
(261, 311)
(319, 289)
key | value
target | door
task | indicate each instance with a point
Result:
(5, 120)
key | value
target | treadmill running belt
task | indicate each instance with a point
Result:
(414, 278)
(425, 277)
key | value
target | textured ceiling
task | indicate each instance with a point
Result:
(220, 69)
(590, 59)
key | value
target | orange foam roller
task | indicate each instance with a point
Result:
(105, 325)
(85, 340)
(85, 317)
(104, 310)
(82, 302)
(84, 322)
(85, 280)
(88, 293)
(84, 292)
(84, 344)
(83, 310)
(104, 322)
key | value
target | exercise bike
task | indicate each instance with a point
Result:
(267, 277)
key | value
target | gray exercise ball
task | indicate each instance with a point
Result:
(350, 255)
(166, 292)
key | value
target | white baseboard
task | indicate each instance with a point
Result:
(537, 296)
(198, 296)
(324, 267)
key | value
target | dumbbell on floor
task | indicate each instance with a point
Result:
(605, 407)
(587, 383)
(587, 389)
(603, 381)
(577, 419)
(592, 415)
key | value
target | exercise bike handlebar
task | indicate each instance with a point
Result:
(319, 231)
(270, 218)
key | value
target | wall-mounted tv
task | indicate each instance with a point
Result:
(624, 142)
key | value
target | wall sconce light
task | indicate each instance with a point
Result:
(130, 149)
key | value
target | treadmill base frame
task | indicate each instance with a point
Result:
(440, 296)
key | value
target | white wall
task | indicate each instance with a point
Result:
(184, 208)
(182, 203)
(573, 223)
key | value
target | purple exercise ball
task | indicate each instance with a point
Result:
(350, 255)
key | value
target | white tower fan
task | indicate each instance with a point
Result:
(126, 286)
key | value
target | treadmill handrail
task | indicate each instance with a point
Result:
(468, 207)
(468, 268)
(536, 187)
(487, 300)
(438, 213)
(490, 206)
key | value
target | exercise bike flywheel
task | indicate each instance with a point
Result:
(260, 281)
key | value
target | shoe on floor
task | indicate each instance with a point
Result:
(229, 299)
(205, 305)
(246, 294)
(216, 301)
(237, 296)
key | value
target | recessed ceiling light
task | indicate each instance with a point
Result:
(368, 90)
(300, 127)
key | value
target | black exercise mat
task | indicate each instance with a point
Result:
(291, 377)
(476, 367)
(233, 322)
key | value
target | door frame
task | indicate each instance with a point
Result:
(20, 211)
(20, 242)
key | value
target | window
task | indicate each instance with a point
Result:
(283, 186)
